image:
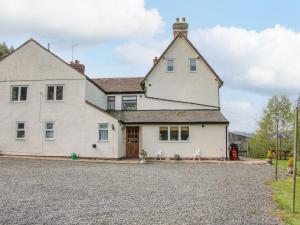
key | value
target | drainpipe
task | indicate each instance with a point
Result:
(226, 135)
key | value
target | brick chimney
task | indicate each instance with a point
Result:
(155, 60)
(180, 26)
(78, 66)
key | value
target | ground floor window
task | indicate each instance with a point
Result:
(49, 130)
(163, 133)
(174, 133)
(103, 131)
(20, 130)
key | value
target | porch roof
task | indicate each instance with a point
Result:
(170, 116)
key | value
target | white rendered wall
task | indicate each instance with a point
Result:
(210, 139)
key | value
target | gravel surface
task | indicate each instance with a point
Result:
(66, 192)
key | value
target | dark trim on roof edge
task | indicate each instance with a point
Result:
(192, 103)
(31, 39)
(93, 82)
(97, 107)
(126, 92)
(131, 123)
(180, 34)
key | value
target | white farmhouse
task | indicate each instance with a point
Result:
(51, 108)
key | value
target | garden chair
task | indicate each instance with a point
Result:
(159, 154)
(197, 154)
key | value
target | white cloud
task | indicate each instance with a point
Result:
(243, 116)
(89, 20)
(266, 61)
(140, 53)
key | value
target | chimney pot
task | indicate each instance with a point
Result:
(177, 20)
(183, 19)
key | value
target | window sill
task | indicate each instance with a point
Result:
(19, 101)
(49, 139)
(20, 139)
(103, 141)
(55, 101)
(189, 141)
(193, 71)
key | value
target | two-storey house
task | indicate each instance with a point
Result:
(51, 108)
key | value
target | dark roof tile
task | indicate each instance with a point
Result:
(120, 85)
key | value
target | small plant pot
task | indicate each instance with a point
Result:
(269, 161)
(289, 170)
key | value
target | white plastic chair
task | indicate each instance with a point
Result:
(196, 154)
(158, 154)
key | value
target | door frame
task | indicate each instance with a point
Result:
(138, 142)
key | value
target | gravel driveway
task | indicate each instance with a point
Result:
(66, 192)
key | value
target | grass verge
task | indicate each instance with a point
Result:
(282, 195)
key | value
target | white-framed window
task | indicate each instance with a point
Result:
(129, 102)
(174, 133)
(55, 92)
(20, 130)
(49, 130)
(103, 131)
(193, 65)
(163, 133)
(111, 102)
(170, 65)
(19, 93)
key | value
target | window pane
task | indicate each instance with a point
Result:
(59, 92)
(103, 135)
(50, 93)
(163, 133)
(170, 65)
(103, 126)
(129, 98)
(49, 126)
(111, 102)
(21, 125)
(192, 64)
(21, 134)
(49, 134)
(15, 93)
(129, 105)
(174, 133)
(23, 96)
(185, 133)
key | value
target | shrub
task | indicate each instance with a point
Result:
(291, 162)
(269, 155)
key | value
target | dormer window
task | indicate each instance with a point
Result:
(170, 65)
(193, 65)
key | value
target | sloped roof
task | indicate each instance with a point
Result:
(120, 84)
(170, 116)
(181, 35)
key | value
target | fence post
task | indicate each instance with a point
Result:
(295, 158)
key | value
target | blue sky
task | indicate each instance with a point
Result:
(253, 45)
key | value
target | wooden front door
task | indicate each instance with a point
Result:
(132, 142)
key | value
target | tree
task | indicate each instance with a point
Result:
(4, 50)
(278, 108)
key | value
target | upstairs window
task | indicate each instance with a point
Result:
(19, 93)
(111, 103)
(170, 65)
(128, 102)
(103, 132)
(193, 65)
(49, 130)
(20, 130)
(55, 92)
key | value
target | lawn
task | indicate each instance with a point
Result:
(283, 164)
(282, 194)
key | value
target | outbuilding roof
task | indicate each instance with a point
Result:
(120, 84)
(170, 116)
